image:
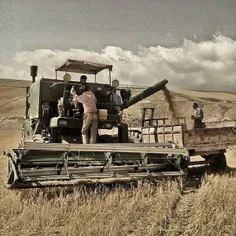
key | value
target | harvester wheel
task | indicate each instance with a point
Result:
(54, 134)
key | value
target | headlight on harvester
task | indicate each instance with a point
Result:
(67, 78)
(115, 83)
(62, 122)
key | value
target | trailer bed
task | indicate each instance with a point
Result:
(214, 138)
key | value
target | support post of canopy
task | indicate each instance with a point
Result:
(110, 76)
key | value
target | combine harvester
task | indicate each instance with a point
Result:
(51, 148)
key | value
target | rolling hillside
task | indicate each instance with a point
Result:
(217, 106)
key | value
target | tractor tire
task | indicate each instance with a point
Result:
(219, 164)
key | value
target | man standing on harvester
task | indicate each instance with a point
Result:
(90, 117)
(83, 79)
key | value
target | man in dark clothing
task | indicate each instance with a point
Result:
(197, 116)
(83, 79)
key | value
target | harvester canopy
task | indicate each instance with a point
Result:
(85, 67)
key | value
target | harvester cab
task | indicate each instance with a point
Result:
(51, 147)
(52, 115)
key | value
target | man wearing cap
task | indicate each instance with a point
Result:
(90, 117)
(197, 116)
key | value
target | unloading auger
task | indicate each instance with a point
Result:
(51, 148)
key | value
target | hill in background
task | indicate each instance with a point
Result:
(217, 106)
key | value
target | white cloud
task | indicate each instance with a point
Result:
(193, 65)
(6, 71)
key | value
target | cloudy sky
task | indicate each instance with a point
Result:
(190, 43)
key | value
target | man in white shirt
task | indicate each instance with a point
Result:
(90, 117)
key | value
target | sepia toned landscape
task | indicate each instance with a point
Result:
(158, 79)
(196, 206)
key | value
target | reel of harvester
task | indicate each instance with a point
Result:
(34, 164)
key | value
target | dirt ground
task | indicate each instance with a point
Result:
(12, 108)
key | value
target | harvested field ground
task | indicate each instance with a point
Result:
(203, 206)
(146, 209)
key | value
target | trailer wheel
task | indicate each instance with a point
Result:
(123, 133)
(219, 162)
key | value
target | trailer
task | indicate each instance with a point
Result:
(210, 142)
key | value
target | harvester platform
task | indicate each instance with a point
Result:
(34, 162)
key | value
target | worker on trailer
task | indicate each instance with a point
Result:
(197, 116)
(90, 117)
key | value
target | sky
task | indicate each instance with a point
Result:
(190, 43)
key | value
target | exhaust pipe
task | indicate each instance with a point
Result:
(33, 72)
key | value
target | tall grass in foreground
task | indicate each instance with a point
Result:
(137, 211)
(210, 211)
(144, 210)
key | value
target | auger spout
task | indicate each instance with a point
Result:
(146, 93)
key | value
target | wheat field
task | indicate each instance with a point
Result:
(144, 209)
